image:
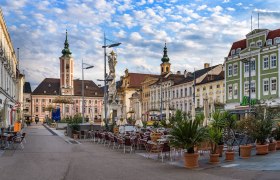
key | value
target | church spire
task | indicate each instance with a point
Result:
(165, 57)
(66, 51)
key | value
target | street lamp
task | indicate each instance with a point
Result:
(105, 74)
(83, 88)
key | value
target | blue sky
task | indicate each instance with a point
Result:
(196, 32)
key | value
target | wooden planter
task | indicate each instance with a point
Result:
(272, 146)
(245, 151)
(229, 155)
(214, 159)
(191, 160)
(76, 136)
(278, 145)
(220, 150)
(262, 149)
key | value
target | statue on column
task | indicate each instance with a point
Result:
(112, 90)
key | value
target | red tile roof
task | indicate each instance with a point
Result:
(242, 43)
(135, 79)
(238, 44)
(273, 34)
(51, 86)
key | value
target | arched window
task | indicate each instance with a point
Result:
(167, 69)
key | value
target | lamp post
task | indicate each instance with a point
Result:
(105, 77)
(83, 89)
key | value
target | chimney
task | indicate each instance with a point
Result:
(178, 72)
(206, 65)
(185, 73)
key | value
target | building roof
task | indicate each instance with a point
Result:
(238, 44)
(27, 88)
(135, 79)
(242, 43)
(195, 74)
(171, 77)
(51, 86)
(273, 34)
(211, 78)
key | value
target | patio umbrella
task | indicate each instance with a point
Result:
(206, 112)
(139, 123)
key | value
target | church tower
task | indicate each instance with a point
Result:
(165, 65)
(66, 70)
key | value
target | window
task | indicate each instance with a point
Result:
(273, 61)
(233, 52)
(43, 109)
(269, 42)
(95, 102)
(265, 86)
(50, 100)
(235, 91)
(276, 40)
(229, 70)
(273, 85)
(67, 109)
(265, 63)
(253, 87)
(246, 88)
(246, 66)
(253, 65)
(230, 92)
(186, 92)
(37, 100)
(252, 44)
(235, 69)
(190, 91)
(173, 94)
(36, 109)
(77, 110)
(177, 93)
(43, 100)
(198, 103)
(259, 43)
(181, 93)
(95, 110)
(197, 90)
(210, 87)
(238, 50)
(89, 102)
(204, 88)
(218, 85)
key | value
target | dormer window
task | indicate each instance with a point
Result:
(50, 85)
(238, 50)
(277, 40)
(269, 42)
(45, 92)
(233, 52)
(252, 44)
(259, 43)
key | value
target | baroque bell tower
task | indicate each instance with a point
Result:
(165, 65)
(66, 70)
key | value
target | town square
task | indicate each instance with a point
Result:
(146, 89)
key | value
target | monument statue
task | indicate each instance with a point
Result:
(112, 61)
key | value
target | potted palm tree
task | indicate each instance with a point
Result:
(218, 121)
(230, 126)
(187, 134)
(263, 128)
(246, 126)
(215, 135)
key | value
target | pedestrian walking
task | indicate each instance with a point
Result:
(36, 119)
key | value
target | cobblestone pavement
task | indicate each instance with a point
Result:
(49, 157)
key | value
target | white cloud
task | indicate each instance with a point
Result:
(226, 1)
(135, 36)
(230, 9)
(239, 4)
(202, 7)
